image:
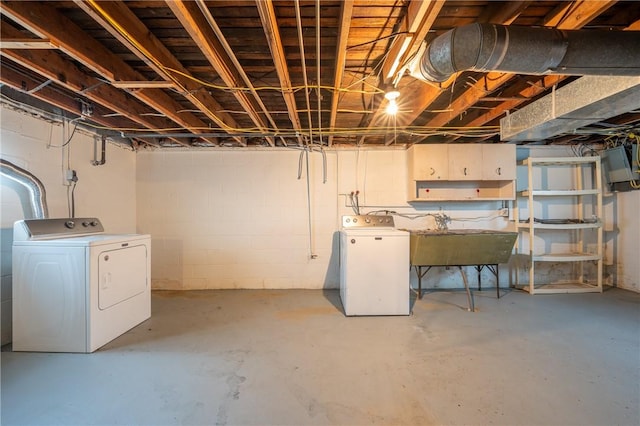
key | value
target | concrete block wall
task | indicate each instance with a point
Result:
(239, 218)
(107, 192)
(623, 242)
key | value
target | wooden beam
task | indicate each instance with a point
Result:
(489, 83)
(50, 95)
(26, 43)
(46, 22)
(124, 25)
(502, 13)
(53, 66)
(206, 34)
(271, 31)
(524, 95)
(143, 84)
(346, 11)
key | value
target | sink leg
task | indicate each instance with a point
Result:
(420, 274)
(466, 286)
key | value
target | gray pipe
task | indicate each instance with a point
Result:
(525, 50)
(37, 193)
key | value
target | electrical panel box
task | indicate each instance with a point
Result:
(621, 166)
(616, 164)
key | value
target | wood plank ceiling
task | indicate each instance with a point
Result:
(193, 73)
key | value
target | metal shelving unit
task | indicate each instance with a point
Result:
(584, 198)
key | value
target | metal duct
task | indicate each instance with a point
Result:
(37, 193)
(525, 50)
(587, 100)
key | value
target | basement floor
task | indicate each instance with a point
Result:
(291, 357)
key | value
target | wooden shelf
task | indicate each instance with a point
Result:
(463, 190)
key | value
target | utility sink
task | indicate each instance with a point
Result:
(458, 247)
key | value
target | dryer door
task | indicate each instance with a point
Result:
(122, 273)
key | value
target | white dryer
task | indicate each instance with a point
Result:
(76, 288)
(374, 266)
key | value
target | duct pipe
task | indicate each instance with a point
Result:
(37, 193)
(525, 50)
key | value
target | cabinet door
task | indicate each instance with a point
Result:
(465, 161)
(428, 162)
(498, 161)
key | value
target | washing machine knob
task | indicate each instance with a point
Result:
(70, 224)
(85, 224)
(94, 223)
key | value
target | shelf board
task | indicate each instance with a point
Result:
(565, 257)
(559, 192)
(560, 226)
(559, 160)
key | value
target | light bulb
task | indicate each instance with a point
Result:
(392, 107)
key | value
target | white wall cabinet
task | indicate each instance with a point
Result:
(498, 162)
(562, 226)
(458, 172)
(428, 162)
(465, 161)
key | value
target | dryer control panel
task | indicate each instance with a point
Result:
(43, 229)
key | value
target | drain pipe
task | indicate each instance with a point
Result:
(526, 50)
(37, 193)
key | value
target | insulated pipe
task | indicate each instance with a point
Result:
(37, 193)
(525, 50)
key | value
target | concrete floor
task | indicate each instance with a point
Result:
(291, 357)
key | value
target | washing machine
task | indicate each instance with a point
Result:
(374, 266)
(76, 288)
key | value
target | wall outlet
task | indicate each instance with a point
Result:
(71, 176)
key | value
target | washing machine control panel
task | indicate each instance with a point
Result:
(367, 221)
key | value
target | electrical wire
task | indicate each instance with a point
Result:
(269, 88)
(68, 141)
(72, 202)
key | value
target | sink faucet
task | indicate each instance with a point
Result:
(441, 220)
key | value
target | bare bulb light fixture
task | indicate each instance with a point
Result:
(392, 105)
